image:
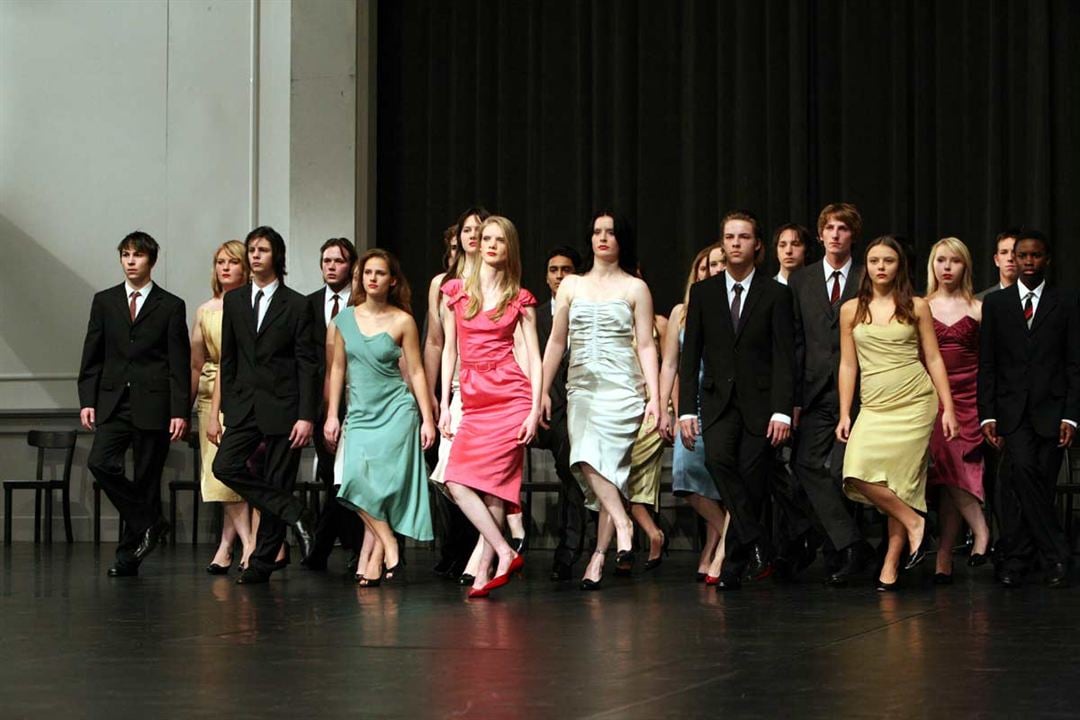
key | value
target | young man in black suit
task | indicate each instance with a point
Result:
(133, 388)
(337, 257)
(553, 435)
(740, 323)
(1029, 404)
(819, 290)
(1004, 261)
(269, 387)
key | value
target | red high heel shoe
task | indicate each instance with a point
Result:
(712, 579)
(498, 581)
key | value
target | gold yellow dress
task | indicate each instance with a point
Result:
(646, 456)
(212, 489)
(890, 441)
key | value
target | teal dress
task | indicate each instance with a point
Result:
(384, 473)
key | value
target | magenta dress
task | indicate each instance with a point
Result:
(959, 463)
(496, 398)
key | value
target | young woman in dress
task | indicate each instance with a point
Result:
(690, 477)
(601, 313)
(500, 400)
(229, 272)
(882, 332)
(956, 467)
(384, 477)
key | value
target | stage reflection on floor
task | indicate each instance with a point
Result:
(176, 642)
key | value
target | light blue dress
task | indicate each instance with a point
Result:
(688, 471)
(383, 464)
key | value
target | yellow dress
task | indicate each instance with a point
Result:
(212, 489)
(890, 441)
(646, 456)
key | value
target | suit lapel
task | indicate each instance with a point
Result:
(1047, 304)
(749, 301)
(819, 289)
(153, 299)
(1014, 309)
(276, 307)
(721, 288)
(120, 302)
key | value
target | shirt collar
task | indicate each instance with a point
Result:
(829, 269)
(344, 293)
(745, 282)
(143, 291)
(1024, 290)
(267, 291)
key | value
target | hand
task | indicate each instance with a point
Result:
(667, 428)
(301, 434)
(1066, 437)
(331, 432)
(795, 415)
(652, 414)
(689, 428)
(427, 435)
(949, 426)
(213, 431)
(444, 422)
(545, 411)
(843, 429)
(177, 429)
(989, 431)
(87, 416)
(528, 429)
(778, 432)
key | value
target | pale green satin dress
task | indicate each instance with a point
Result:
(890, 441)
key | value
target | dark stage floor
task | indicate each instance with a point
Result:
(176, 642)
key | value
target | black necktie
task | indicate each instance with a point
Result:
(1029, 309)
(258, 301)
(334, 310)
(835, 294)
(736, 306)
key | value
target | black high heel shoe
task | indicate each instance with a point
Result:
(653, 563)
(624, 563)
(465, 579)
(394, 573)
(367, 582)
(284, 562)
(517, 544)
(920, 553)
(977, 559)
(883, 586)
(591, 585)
(215, 569)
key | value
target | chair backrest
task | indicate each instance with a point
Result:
(43, 440)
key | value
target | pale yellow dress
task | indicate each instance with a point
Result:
(212, 488)
(890, 441)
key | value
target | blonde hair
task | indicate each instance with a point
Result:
(234, 249)
(957, 246)
(511, 279)
(693, 278)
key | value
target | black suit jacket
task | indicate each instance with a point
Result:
(151, 356)
(316, 304)
(1032, 372)
(817, 330)
(752, 365)
(558, 384)
(274, 372)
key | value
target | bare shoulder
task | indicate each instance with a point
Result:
(676, 313)
(847, 310)
(922, 307)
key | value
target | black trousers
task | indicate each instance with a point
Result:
(819, 467)
(137, 500)
(272, 493)
(739, 463)
(790, 510)
(573, 516)
(336, 522)
(1029, 522)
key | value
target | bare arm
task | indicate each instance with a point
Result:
(410, 347)
(433, 341)
(556, 344)
(198, 352)
(334, 385)
(669, 369)
(849, 369)
(646, 348)
(449, 363)
(527, 326)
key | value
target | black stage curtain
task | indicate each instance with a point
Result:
(935, 118)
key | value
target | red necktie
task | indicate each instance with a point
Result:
(835, 294)
(334, 310)
(131, 306)
(1029, 310)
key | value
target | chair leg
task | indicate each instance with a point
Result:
(195, 516)
(7, 516)
(37, 516)
(172, 509)
(97, 514)
(47, 497)
(66, 500)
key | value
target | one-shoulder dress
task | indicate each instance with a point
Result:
(496, 398)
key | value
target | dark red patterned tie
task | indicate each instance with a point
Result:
(1029, 310)
(334, 310)
(835, 294)
(131, 306)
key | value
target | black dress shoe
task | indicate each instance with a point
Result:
(352, 563)
(916, 558)
(591, 585)
(1057, 576)
(560, 572)
(943, 578)
(977, 559)
(150, 539)
(728, 583)
(305, 533)
(853, 560)
(443, 567)
(760, 565)
(883, 586)
(123, 570)
(624, 563)
(466, 579)
(1010, 579)
(251, 576)
(215, 569)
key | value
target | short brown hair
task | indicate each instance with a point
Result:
(846, 213)
(745, 216)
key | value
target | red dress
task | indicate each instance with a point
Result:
(959, 463)
(496, 398)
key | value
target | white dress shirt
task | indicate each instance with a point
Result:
(143, 292)
(780, 278)
(328, 302)
(745, 282)
(268, 292)
(829, 270)
(1036, 296)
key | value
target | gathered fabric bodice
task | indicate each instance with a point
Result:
(602, 332)
(374, 374)
(889, 363)
(482, 340)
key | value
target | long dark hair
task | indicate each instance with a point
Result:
(624, 235)
(902, 291)
(458, 269)
(400, 295)
(277, 247)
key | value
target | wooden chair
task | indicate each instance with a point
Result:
(44, 441)
(193, 486)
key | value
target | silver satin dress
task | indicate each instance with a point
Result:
(605, 391)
